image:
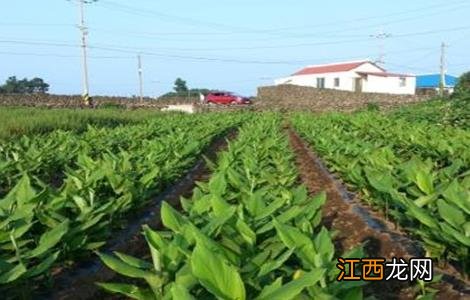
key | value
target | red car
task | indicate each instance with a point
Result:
(226, 98)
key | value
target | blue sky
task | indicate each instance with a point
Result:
(233, 45)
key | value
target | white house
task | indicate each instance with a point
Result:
(354, 76)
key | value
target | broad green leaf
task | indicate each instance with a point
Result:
(26, 212)
(271, 208)
(180, 292)
(49, 239)
(12, 274)
(81, 203)
(218, 184)
(426, 200)
(291, 236)
(171, 218)
(381, 181)
(286, 216)
(466, 228)
(294, 238)
(23, 190)
(254, 202)
(148, 179)
(219, 220)
(156, 245)
(293, 288)
(450, 213)
(461, 238)
(43, 266)
(219, 205)
(424, 181)
(324, 245)
(184, 276)
(271, 287)
(354, 294)
(21, 194)
(275, 263)
(245, 231)
(216, 274)
(455, 193)
(128, 290)
(133, 261)
(123, 268)
(421, 215)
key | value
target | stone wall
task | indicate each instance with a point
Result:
(74, 101)
(292, 97)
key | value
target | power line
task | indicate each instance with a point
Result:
(252, 31)
(380, 17)
(322, 43)
(56, 55)
(27, 24)
(276, 31)
(198, 58)
(163, 55)
(411, 68)
(133, 50)
(164, 16)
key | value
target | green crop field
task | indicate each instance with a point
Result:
(251, 228)
(17, 121)
(418, 173)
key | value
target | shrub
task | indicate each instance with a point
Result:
(372, 106)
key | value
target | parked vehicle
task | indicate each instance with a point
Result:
(226, 98)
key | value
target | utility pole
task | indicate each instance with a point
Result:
(442, 82)
(141, 84)
(381, 36)
(84, 32)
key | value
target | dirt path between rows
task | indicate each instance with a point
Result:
(357, 224)
(78, 282)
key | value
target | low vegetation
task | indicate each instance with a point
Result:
(62, 194)
(417, 172)
(70, 179)
(17, 121)
(250, 232)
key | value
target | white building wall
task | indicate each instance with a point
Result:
(388, 85)
(310, 80)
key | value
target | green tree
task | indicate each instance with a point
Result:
(180, 86)
(14, 86)
(463, 85)
(11, 85)
(37, 85)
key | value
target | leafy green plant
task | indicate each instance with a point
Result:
(104, 175)
(249, 232)
(417, 172)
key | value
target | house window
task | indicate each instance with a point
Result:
(336, 83)
(321, 83)
(402, 81)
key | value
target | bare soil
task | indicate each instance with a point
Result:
(357, 224)
(78, 282)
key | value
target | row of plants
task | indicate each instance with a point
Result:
(418, 173)
(249, 232)
(48, 157)
(17, 121)
(107, 174)
(453, 111)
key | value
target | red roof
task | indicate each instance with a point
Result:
(331, 68)
(384, 74)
